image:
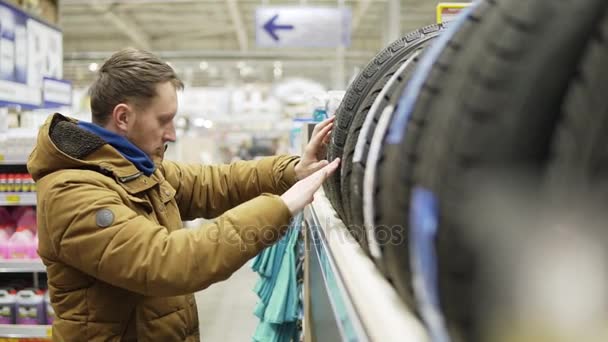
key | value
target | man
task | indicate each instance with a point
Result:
(110, 210)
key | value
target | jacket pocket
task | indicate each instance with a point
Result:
(167, 192)
(140, 203)
(77, 331)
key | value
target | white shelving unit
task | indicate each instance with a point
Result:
(12, 160)
(17, 198)
(22, 266)
(25, 331)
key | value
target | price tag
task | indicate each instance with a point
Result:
(1, 157)
(49, 332)
(13, 199)
(449, 11)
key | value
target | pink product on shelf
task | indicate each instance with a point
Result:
(7, 307)
(34, 249)
(30, 307)
(22, 244)
(4, 237)
(6, 220)
(27, 219)
(19, 211)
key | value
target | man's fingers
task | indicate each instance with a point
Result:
(322, 174)
(326, 122)
(327, 137)
(316, 139)
(332, 167)
(323, 124)
(321, 164)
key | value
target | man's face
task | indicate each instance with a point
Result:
(150, 128)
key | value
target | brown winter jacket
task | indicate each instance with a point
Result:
(120, 268)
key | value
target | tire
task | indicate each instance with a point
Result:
(579, 150)
(376, 120)
(475, 111)
(359, 118)
(387, 185)
(571, 208)
(368, 83)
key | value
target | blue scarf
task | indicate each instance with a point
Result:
(128, 150)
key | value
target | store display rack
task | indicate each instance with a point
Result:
(347, 297)
(33, 266)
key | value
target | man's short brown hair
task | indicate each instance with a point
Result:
(129, 75)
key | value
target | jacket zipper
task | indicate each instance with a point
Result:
(129, 178)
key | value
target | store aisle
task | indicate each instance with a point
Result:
(225, 310)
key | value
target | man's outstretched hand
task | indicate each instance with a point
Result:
(313, 158)
(301, 193)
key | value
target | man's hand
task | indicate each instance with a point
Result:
(301, 193)
(313, 158)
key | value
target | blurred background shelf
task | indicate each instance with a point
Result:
(12, 160)
(22, 266)
(17, 198)
(25, 331)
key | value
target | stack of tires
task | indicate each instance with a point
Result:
(511, 86)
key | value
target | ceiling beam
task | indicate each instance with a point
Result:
(227, 54)
(190, 35)
(130, 2)
(135, 34)
(238, 24)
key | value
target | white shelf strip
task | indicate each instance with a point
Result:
(21, 266)
(25, 331)
(383, 314)
(12, 160)
(17, 198)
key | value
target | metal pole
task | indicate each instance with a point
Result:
(393, 24)
(36, 282)
(340, 73)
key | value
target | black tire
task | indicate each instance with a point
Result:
(427, 35)
(579, 151)
(491, 100)
(367, 84)
(388, 184)
(375, 120)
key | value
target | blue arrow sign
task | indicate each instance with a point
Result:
(271, 27)
(301, 26)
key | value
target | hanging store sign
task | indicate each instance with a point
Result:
(30, 50)
(302, 26)
(56, 93)
(21, 94)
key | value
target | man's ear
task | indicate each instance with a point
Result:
(121, 116)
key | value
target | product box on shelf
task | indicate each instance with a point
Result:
(16, 182)
(16, 144)
(7, 307)
(30, 307)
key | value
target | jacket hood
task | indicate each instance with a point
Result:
(61, 145)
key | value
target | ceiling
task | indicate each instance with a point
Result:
(212, 42)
